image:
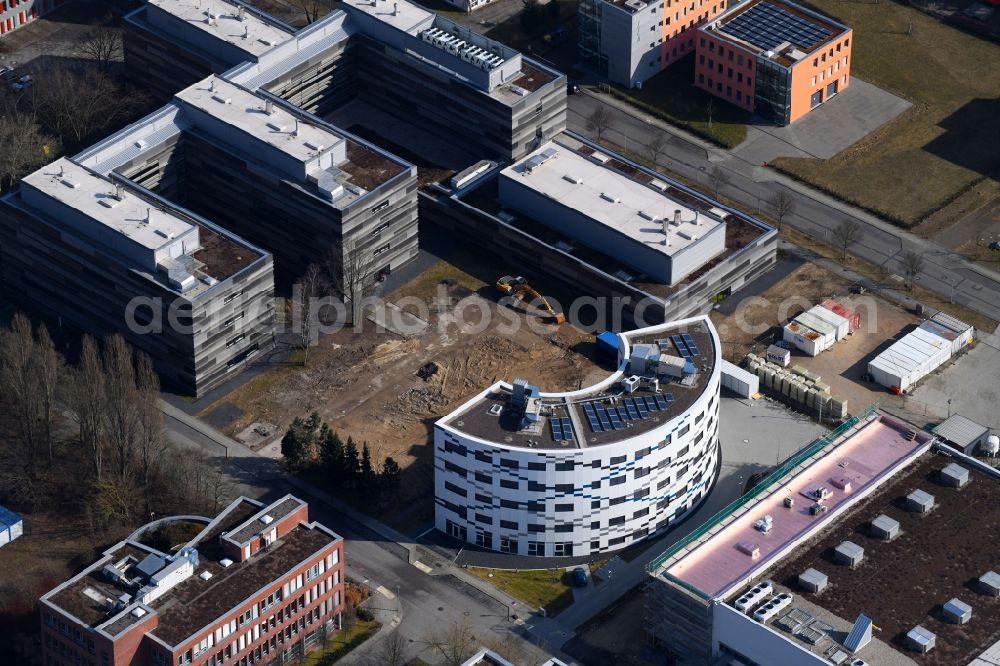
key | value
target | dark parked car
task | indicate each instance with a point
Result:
(995, 245)
(579, 577)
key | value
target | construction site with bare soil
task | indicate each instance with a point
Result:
(387, 389)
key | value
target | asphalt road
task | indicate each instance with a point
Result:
(944, 272)
(430, 604)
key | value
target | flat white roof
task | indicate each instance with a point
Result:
(78, 188)
(611, 198)
(245, 111)
(252, 34)
(400, 14)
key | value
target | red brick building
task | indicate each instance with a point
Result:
(256, 582)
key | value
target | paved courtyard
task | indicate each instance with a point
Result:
(824, 132)
(967, 386)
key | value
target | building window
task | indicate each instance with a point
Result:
(563, 549)
(380, 250)
(508, 545)
(484, 539)
(536, 548)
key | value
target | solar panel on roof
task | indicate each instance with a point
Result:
(692, 347)
(651, 404)
(669, 397)
(861, 634)
(661, 402)
(633, 413)
(556, 429)
(592, 418)
(567, 428)
(767, 27)
(603, 416)
(623, 414)
(681, 347)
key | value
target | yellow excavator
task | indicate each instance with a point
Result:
(519, 289)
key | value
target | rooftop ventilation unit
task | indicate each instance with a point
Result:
(774, 605)
(849, 553)
(205, 575)
(921, 639)
(957, 611)
(884, 527)
(920, 501)
(222, 99)
(989, 584)
(138, 612)
(225, 563)
(266, 519)
(748, 548)
(610, 197)
(754, 596)
(576, 180)
(813, 581)
(764, 524)
(954, 476)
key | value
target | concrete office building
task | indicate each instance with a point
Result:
(758, 584)
(109, 257)
(407, 61)
(255, 585)
(774, 58)
(172, 44)
(588, 471)
(629, 41)
(16, 14)
(654, 233)
(553, 224)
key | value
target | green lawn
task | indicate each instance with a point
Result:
(672, 96)
(946, 142)
(544, 588)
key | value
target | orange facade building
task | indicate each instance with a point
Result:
(775, 59)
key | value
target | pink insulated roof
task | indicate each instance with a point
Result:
(851, 467)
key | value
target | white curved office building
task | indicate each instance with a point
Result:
(588, 471)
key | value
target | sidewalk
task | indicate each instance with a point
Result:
(758, 173)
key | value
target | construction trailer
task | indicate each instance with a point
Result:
(920, 352)
(739, 381)
(853, 318)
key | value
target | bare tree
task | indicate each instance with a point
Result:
(393, 651)
(782, 205)
(846, 234)
(657, 147)
(311, 10)
(350, 270)
(710, 110)
(102, 45)
(87, 403)
(599, 121)
(48, 366)
(455, 642)
(719, 177)
(19, 380)
(149, 430)
(305, 294)
(121, 422)
(913, 263)
(24, 147)
(76, 104)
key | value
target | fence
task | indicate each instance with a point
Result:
(775, 476)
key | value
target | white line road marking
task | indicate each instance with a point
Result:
(423, 567)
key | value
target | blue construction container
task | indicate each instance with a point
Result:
(607, 346)
(11, 526)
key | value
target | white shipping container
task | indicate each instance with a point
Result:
(807, 339)
(841, 324)
(779, 355)
(738, 380)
